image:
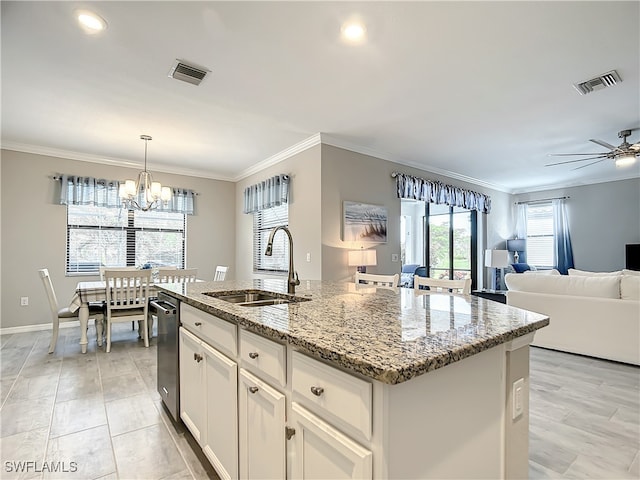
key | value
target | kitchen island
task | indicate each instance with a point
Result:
(355, 381)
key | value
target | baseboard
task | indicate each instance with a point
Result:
(38, 327)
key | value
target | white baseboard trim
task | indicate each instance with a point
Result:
(38, 327)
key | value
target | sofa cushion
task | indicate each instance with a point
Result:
(585, 273)
(521, 267)
(603, 287)
(553, 271)
(631, 272)
(630, 287)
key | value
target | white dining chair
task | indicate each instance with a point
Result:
(377, 280)
(63, 314)
(127, 299)
(221, 273)
(442, 285)
(177, 275)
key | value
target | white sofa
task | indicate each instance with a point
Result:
(590, 313)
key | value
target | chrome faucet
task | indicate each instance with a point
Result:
(292, 279)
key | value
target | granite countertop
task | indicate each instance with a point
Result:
(390, 335)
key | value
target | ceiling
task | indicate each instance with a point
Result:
(479, 91)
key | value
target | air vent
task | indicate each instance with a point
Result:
(605, 80)
(189, 73)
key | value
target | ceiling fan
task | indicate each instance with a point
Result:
(623, 155)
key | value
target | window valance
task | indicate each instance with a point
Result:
(434, 191)
(101, 192)
(272, 192)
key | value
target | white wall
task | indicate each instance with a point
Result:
(304, 215)
(34, 229)
(603, 217)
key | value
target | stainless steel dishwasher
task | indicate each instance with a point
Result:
(167, 310)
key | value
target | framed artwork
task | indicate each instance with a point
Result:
(362, 222)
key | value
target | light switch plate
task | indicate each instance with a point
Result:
(394, 257)
(518, 398)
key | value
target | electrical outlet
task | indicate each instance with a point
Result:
(394, 257)
(24, 301)
(308, 257)
(518, 398)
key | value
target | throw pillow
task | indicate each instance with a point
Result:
(520, 267)
(631, 272)
(585, 273)
(553, 271)
(630, 287)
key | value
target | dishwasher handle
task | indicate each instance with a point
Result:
(162, 307)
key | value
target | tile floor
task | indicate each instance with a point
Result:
(92, 416)
(101, 412)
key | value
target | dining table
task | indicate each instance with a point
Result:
(88, 292)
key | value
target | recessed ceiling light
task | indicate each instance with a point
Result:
(90, 22)
(353, 32)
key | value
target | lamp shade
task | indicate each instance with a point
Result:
(496, 258)
(361, 258)
(517, 245)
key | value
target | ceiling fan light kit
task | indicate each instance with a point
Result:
(623, 155)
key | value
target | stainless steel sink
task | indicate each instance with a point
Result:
(255, 298)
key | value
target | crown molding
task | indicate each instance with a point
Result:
(329, 140)
(312, 141)
(577, 183)
(118, 162)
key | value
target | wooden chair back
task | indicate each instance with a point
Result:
(379, 280)
(448, 286)
(179, 275)
(221, 273)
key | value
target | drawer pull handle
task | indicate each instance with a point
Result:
(198, 324)
(197, 357)
(317, 391)
(289, 432)
(253, 355)
(253, 389)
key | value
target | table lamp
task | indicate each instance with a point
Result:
(361, 259)
(496, 259)
(516, 245)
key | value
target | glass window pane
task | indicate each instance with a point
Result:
(159, 220)
(96, 216)
(462, 240)
(159, 248)
(439, 242)
(89, 249)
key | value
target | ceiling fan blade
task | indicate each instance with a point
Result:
(602, 157)
(574, 154)
(604, 144)
(589, 164)
(635, 146)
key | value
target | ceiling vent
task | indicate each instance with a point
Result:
(188, 72)
(605, 80)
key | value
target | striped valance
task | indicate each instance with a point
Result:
(434, 191)
(272, 192)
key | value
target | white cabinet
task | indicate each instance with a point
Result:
(192, 389)
(261, 429)
(321, 451)
(221, 445)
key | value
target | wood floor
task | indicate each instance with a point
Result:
(101, 412)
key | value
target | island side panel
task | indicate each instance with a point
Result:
(448, 423)
(517, 429)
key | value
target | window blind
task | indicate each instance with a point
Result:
(540, 235)
(264, 221)
(107, 237)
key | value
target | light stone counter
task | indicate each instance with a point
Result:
(390, 335)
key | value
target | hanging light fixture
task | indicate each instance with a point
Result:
(145, 194)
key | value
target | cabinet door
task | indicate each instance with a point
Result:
(323, 452)
(262, 435)
(221, 446)
(192, 385)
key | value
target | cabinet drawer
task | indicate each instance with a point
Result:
(341, 398)
(215, 331)
(263, 357)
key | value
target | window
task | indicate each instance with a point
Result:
(451, 233)
(264, 221)
(112, 237)
(540, 235)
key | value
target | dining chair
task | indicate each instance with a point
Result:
(441, 285)
(177, 275)
(102, 270)
(380, 280)
(63, 314)
(221, 273)
(127, 299)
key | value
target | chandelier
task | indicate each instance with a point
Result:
(144, 194)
